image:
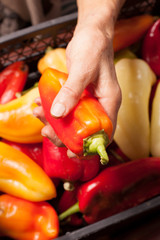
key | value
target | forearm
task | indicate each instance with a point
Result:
(101, 13)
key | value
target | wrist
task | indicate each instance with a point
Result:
(100, 14)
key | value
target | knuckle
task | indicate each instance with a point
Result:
(71, 92)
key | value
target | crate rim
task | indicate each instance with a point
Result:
(29, 31)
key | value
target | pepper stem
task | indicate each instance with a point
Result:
(96, 144)
(48, 49)
(68, 186)
(73, 209)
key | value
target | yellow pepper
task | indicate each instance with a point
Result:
(132, 134)
(155, 123)
(54, 58)
(17, 122)
(124, 53)
(20, 176)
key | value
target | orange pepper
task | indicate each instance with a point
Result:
(24, 220)
(17, 122)
(20, 176)
(130, 30)
(54, 58)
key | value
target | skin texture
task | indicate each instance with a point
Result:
(89, 62)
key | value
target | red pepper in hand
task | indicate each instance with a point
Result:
(68, 199)
(151, 47)
(32, 150)
(57, 164)
(12, 81)
(86, 129)
(116, 189)
(24, 220)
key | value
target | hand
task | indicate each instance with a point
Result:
(90, 64)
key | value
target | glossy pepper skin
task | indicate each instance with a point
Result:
(57, 164)
(12, 81)
(87, 129)
(20, 176)
(32, 150)
(116, 189)
(132, 133)
(24, 220)
(151, 47)
(54, 58)
(68, 199)
(130, 30)
(17, 122)
(155, 123)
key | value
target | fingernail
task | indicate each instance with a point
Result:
(43, 134)
(58, 110)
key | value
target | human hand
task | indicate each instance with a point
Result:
(90, 64)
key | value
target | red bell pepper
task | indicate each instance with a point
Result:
(116, 189)
(57, 164)
(12, 81)
(86, 129)
(24, 220)
(151, 47)
(68, 199)
(32, 150)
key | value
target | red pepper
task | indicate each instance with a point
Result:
(86, 129)
(151, 47)
(115, 152)
(67, 199)
(116, 189)
(12, 81)
(57, 164)
(32, 150)
(24, 220)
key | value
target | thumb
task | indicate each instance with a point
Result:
(69, 95)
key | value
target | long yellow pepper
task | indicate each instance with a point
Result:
(20, 176)
(17, 122)
(155, 124)
(132, 134)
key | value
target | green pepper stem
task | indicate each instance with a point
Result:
(101, 150)
(96, 144)
(48, 49)
(73, 209)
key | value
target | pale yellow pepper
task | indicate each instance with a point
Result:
(17, 122)
(132, 133)
(155, 124)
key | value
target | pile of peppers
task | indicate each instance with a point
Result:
(44, 189)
